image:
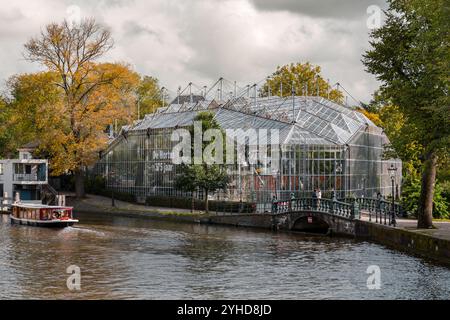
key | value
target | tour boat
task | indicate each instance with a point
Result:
(42, 215)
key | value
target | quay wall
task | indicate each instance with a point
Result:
(242, 220)
(409, 241)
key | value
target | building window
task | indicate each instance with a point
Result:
(18, 168)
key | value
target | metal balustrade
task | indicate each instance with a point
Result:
(379, 210)
(329, 206)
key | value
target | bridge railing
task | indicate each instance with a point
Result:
(329, 206)
(380, 210)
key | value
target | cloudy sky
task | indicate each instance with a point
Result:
(179, 41)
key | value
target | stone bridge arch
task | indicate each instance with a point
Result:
(298, 221)
(312, 223)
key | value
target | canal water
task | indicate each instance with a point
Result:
(132, 258)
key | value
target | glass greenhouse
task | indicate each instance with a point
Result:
(321, 145)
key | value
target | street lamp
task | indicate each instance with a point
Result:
(337, 171)
(392, 171)
(111, 177)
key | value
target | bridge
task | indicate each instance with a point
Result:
(330, 215)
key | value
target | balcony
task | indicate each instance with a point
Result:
(29, 172)
(28, 177)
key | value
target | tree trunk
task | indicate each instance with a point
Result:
(79, 184)
(425, 211)
(206, 201)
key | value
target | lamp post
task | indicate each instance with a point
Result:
(392, 170)
(337, 171)
(111, 176)
(275, 191)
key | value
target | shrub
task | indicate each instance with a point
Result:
(411, 194)
(186, 203)
(94, 184)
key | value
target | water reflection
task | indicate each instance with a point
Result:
(128, 258)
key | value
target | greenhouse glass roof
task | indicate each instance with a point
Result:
(299, 119)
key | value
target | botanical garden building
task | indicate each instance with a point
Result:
(322, 145)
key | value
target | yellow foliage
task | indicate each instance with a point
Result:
(306, 79)
(71, 127)
(374, 117)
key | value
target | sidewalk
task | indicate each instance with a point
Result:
(442, 230)
(95, 203)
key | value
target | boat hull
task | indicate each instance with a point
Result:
(44, 223)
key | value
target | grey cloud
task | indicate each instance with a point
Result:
(338, 9)
(200, 41)
(133, 28)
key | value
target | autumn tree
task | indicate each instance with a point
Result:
(91, 95)
(305, 78)
(410, 56)
(149, 95)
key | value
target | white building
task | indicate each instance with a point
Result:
(25, 176)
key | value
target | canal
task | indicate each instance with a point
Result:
(132, 258)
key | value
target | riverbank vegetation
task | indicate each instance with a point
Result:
(410, 56)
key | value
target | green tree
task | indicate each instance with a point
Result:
(411, 195)
(31, 108)
(305, 77)
(150, 95)
(404, 140)
(5, 134)
(186, 181)
(410, 56)
(405, 145)
(204, 176)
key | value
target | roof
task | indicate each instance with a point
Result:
(187, 98)
(30, 145)
(299, 119)
(38, 206)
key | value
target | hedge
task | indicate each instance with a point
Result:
(122, 196)
(186, 203)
